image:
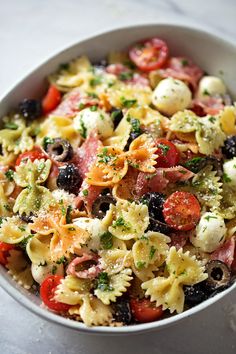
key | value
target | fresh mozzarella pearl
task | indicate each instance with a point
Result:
(94, 227)
(88, 120)
(41, 272)
(210, 232)
(171, 96)
(211, 85)
(229, 168)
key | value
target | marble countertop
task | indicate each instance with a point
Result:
(31, 31)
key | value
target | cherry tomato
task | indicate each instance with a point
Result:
(150, 54)
(4, 249)
(51, 99)
(47, 292)
(32, 155)
(145, 311)
(168, 154)
(181, 211)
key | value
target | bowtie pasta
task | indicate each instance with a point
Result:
(118, 188)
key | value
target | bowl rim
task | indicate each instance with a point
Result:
(105, 330)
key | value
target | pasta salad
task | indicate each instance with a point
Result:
(118, 188)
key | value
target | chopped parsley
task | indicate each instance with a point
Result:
(97, 80)
(212, 119)
(105, 158)
(92, 94)
(164, 148)
(106, 240)
(184, 62)
(152, 252)
(9, 174)
(103, 282)
(127, 103)
(25, 240)
(208, 217)
(47, 141)
(117, 114)
(226, 178)
(61, 260)
(11, 125)
(135, 125)
(85, 192)
(120, 221)
(140, 264)
(194, 164)
(81, 106)
(206, 93)
(68, 214)
(125, 76)
(93, 108)
(54, 269)
(83, 129)
(63, 209)
(22, 228)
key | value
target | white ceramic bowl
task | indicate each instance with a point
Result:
(211, 53)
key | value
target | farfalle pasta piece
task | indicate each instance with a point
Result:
(141, 154)
(38, 249)
(130, 220)
(5, 208)
(228, 120)
(109, 168)
(13, 230)
(143, 273)
(66, 238)
(56, 126)
(115, 260)
(123, 95)
(151, 248)
(8, 185)
(71, 290)
(147, 117)
(73, 74)
(125, 189)
(120, 135)
(209, 135)
(168, 291)
(118, 284)
(15, 139)
(34, 197)
(184, 122)
(93, 311)
(207, 187)
(19, 268)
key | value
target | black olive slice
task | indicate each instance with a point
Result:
(69, 178)
(159, 226)
(101, 205)
(122, 311)
(155, 202)
(30, 108)
(198, 163)
(229, 148)
(60, 150)
(218, 274)
(194, 294)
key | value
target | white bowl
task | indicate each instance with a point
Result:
(215, 55)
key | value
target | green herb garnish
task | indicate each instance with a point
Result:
(11, 125)
(140, 264)
(127, 103)
(125, 76)
(68, 214)
(103, 282)
(164, 148)
(9, 174)
(83, 129)
(106, 240)
(226, 178)
(152, 252)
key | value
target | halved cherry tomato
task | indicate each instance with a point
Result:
(181, 211)
(51, 100)
(150, 54)
(168, 154)
(32, 155)
(145, 311)
(47, 292)
(4, 249)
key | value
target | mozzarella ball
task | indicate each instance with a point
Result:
(229, 169)
(41, 272)
(88, 120)
(171, 96)
(210, 85)
(94, 227)
(210, 232)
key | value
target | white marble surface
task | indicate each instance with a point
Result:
(30, 31)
